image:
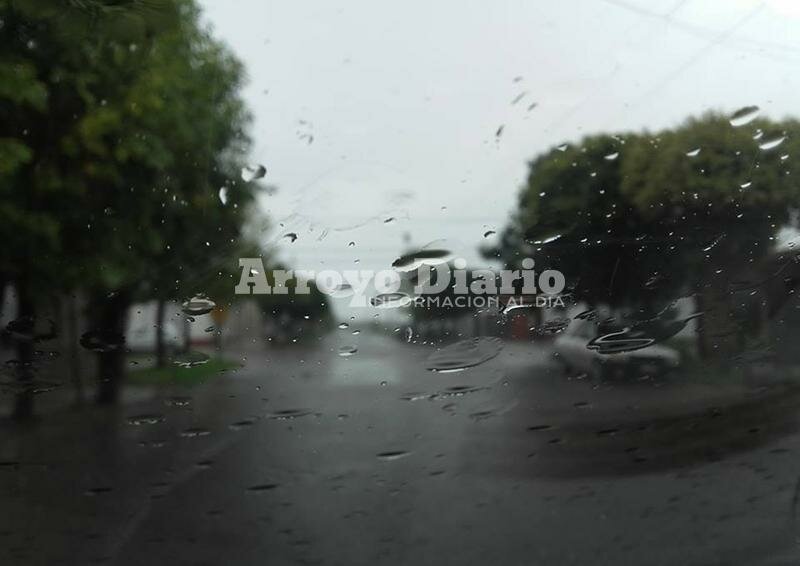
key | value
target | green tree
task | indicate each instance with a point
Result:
(720, 209)
(121, 121)
(637, 220)
(49, 54)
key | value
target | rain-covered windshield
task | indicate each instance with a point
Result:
(420, 283)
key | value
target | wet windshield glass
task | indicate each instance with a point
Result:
(431, 283)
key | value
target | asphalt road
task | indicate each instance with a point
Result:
(307, 457)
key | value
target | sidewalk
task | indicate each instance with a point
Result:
(574, 399)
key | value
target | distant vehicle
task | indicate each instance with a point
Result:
(141, 336)
(570, 349)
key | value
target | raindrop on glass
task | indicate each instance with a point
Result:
(140, 420)
(771, 143)
(197, 306)
(347, 351)
(253, 172)
(464, 354)
(191, 359)
(744, 115)
(392, 455)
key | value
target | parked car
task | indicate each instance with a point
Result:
(571, 351)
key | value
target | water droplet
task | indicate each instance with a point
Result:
(343, 325)
(31, 329)
(197, 306)
(392, 455)
(771, 143)
(288, 414)
(223, 195)
(555, 326)
(253, 172)
(262, 487)
(693, 152)
(611, 156)
(178, 401)
(464, 354)
(291, 236)
(239, 425)
(489, 233)
(97, 491)
(195, 432)
(746, 185)
(499, 131)
(513, 306)
(719, 238)
(563, 147)
(415, 396)
(457, 391)
(639, 335)
(547, 240)
(347, 351)
(743, 116)
(414, 260)
(344, 286)
(190, 359)
(390, 300)
(102, 341)
(607, 431)
(139, 420)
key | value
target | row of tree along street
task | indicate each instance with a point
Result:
(122, 149)
(638, 220)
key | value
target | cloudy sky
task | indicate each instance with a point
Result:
(366, 111)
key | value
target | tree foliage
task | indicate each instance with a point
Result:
(636, 220)
(121, 121)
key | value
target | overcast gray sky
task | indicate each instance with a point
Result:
(403, 100)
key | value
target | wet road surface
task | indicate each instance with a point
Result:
(307, 457)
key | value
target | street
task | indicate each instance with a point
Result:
(305, 456)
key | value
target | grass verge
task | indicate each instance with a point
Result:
(175, 375)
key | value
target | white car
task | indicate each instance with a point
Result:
(571, 351)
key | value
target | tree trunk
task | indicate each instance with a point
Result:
(717, 331)
(23, 404)
(161, 352)
(187, 334)
(110, 318)
(73, 337)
